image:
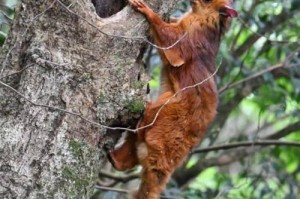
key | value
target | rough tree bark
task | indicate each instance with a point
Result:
(55, 58)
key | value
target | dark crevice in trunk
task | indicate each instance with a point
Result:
(106, 8)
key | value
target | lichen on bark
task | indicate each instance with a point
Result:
(69, 64)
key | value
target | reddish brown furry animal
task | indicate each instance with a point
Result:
(182, 123)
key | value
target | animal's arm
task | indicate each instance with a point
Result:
(165, 34)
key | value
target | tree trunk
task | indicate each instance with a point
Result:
(55, 58)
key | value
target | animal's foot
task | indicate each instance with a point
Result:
(140, 6)
(110, 155)
(114, 161)
(120, 164)
(111, 159)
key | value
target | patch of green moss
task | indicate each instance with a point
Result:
(101, 98)
(68, 173)
(85, 77)
(135, 105)
(3, 100)
(76, 148)
(73, 177)
(138, 85)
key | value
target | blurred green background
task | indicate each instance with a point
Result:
(259, 84)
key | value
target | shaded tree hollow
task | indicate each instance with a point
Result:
(107, 8)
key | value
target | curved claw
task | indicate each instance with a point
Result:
(140, 6)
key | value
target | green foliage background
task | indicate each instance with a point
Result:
(6, 16)
(265, 34)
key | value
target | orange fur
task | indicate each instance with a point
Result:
(182, 123)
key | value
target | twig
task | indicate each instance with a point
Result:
(258, 74)
(286, 131)
(261, 35)
(122, 179)
(112, 189)
(269, 69)
(109, 184)
(38, 61)
(246, 144)
(167, 101)
(41, 60)
(61, 110)
(227, 157)
(25, 68)
(104, 126)
(174, 95)
(241, 65)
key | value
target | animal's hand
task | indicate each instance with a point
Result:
(141, 7)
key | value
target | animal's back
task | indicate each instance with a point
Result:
(177, 123)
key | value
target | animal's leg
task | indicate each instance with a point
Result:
(165, 31)
(165, 34)
(125, 156)
(167, 146)
(154, 177)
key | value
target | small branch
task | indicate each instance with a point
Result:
(226, 159)
(122, 179)
(15, 73)
(262, 35)
(112, 189)
(258, 74)
(104, 126)
(44, 61)
(174, 95)
(247, 144)
(60, 109)
(109, 184)
(276, 21)
(284, 132)
(241, 66)
(283, 64)
(185, 174)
